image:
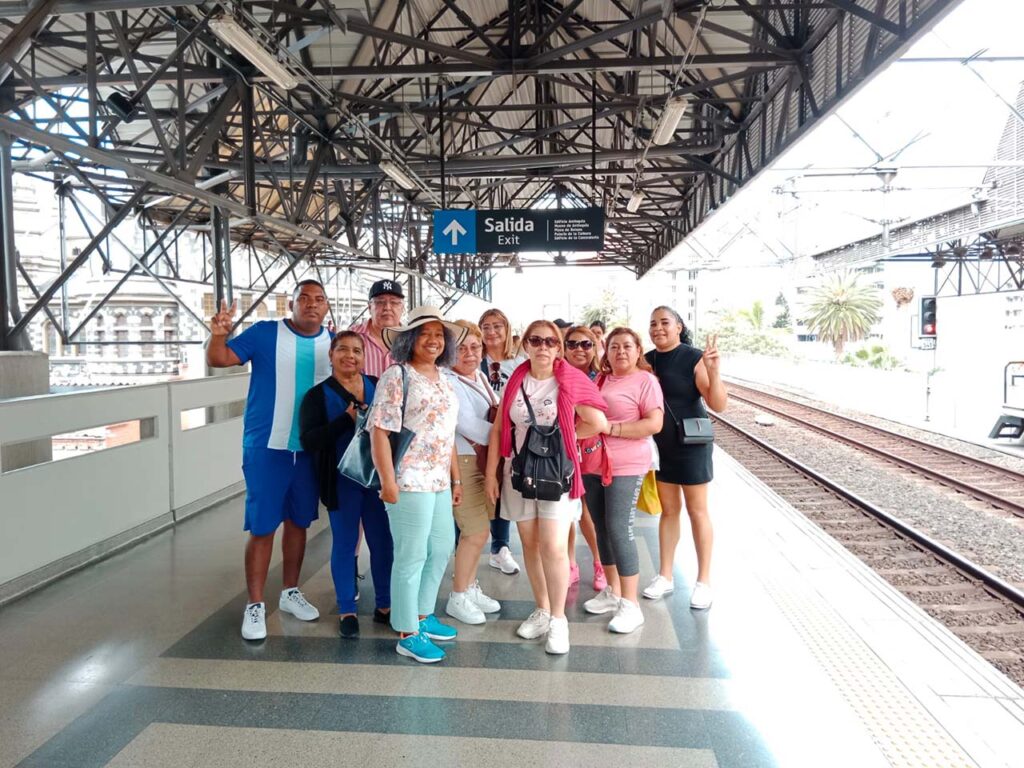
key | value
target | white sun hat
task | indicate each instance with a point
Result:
(422, 316)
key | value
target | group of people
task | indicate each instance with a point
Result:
(471, 406)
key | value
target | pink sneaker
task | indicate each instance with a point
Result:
(574, 573)
(600, 580)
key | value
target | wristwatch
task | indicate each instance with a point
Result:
(456, 482)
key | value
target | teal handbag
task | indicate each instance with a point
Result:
(357, 462)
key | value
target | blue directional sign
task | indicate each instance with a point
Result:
(455, 231)
(514, 231)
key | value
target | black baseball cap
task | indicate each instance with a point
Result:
(381, 287)
(562, 324)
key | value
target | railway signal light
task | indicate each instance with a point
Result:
(928, 326)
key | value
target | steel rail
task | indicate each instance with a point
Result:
(1017, 508)
(967, 567)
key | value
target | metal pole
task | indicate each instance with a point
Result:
(440, 113)
(8, 279)
(248, 145)
(62, 192)
(221, 236)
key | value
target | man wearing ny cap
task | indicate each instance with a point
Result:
(387, 304)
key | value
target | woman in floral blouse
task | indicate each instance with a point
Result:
(419, 493)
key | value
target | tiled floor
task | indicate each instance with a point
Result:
(806, 659)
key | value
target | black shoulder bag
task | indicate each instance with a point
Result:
(541, 470)
(357, 462)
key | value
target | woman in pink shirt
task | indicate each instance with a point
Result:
(635, 411)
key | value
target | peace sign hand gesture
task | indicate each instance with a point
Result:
(712, 359)
(220, 324)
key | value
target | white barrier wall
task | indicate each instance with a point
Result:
(61, 514)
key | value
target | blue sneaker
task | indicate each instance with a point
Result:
(420, 648)
(435, 630)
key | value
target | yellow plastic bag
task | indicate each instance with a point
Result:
(649, 501)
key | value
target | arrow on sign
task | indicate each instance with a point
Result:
(454, 229)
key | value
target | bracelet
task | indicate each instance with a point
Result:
(456, 482)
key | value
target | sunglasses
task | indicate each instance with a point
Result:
(495, 373)
(547, 341)
(585, 344)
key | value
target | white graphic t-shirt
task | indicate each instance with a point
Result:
(543, 394)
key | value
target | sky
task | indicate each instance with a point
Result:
(910, 114)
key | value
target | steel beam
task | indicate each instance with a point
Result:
(8, 257)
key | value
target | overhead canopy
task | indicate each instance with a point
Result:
(477, 104)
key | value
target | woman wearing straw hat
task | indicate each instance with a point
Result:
(419, 493)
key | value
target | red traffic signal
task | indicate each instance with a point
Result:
(928, 324)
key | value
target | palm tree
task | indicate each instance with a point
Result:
(843, 310)
(754, 316)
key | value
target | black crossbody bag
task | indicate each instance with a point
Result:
(694, 431)
(697, 430)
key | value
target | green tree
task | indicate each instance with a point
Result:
(782, 319)
(608, 308)
(843, 310)
(754, 315)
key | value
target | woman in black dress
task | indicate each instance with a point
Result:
(687, 375)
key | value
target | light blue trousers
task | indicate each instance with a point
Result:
(423, 531)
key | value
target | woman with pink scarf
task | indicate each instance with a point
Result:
(552, 392)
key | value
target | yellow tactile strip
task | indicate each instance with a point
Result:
(905, 732)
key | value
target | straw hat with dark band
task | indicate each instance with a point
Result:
(422, 316)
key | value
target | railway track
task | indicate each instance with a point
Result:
(998, 486)
(986, 612)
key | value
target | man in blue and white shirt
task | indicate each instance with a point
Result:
(289, 357)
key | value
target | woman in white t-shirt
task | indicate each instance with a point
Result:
(501, 356)
(558, 394)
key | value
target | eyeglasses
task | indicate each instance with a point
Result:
(492, 327)
(585, 344)
(547, 341)
(472, 349)
(387, 302)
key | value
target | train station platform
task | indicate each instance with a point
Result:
(806, 659)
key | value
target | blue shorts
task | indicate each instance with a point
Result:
(279, 486)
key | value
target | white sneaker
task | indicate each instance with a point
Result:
(294, 602)
(628, 618)
(558, 636)
(702, 596)
(254, 621)
(536, 624)
(603, 602)
(504, 562)
(658, 588)
(483, 602)
(461, 606)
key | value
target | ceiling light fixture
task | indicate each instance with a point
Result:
(231, 32)
(635, 201)
(397, 175)
(665, 129)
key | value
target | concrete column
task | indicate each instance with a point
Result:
(23, 374)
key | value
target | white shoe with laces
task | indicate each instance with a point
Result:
(294, 602)
(627, 619)
(536, 625)
(658, 588)
(604, 602)
(504, 562)
(482, 601)
(461, 607)
(558, 636)
(702, 596)
(254, 621)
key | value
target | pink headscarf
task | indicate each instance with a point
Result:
(574, 388)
